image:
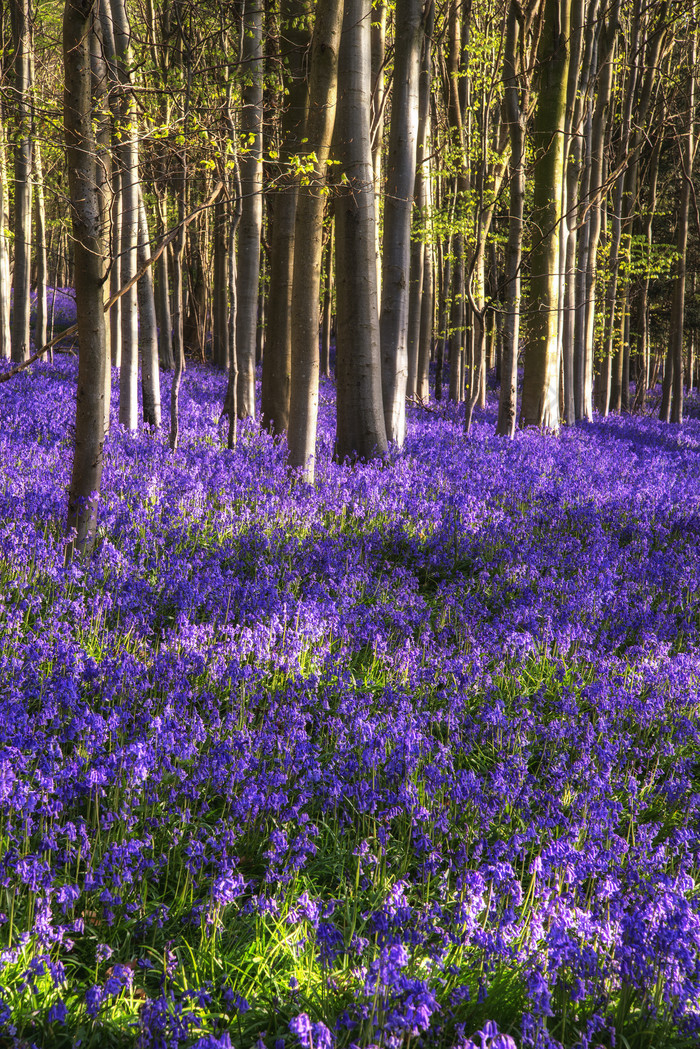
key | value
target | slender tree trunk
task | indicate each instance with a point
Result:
(687, 148)
(377, 113)
(40, 323)
(148, 328)
(21, 303)
(5, 281)
(308, 239)
(360, 420)
(421, 194)
(220, 288)
(295, 25)
(103, 138)
(248, 260)
(165, 325)
(540, 405)
(516, 119)
(327, 305)
(128, 157)
(398, 202)
(178, 312)
(87, 235)
(425, 343)
(597, 204)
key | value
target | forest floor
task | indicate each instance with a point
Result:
(407, 759)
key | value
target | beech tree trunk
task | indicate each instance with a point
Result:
(86, 218)
(41, 316)
(219, 305)
(327, 319)
(688, 147)
(5, 280)
(360, 430)
(540, 405)
(295, 28)
(515, 116)
(308, 240)
(148, 327)
(165, 324)
(129, 169)
(248, 261)
(21, 303)
(398, 203)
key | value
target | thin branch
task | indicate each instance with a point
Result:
(167, 239)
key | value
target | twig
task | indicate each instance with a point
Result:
(167, 239)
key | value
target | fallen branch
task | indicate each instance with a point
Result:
(73, 330)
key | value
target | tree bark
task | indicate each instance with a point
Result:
(327, 313)
(295, 27)
(248, 261)
(540, 405)
(398, 202)
(308, 240)
(21, 304)
(5, 281)
(687, 149)
(360, 430)
(148, 327)
(515, 115)
(87, 235)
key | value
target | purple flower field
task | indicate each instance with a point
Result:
(408, 759)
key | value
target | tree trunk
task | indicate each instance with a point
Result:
(87, 235)
(295, 26)
(687, 148)
(325, 363)
(516, 119)
(360, 427)
(421, 194)
(41, 318)
(425, 342)
(378, 103)
(540, 405)
(398, 202)
(165, 324)
(220, 289)
(128, 161)
(148, 328)
(100, 94)
(5, 281)
(308, 239)
(248, 261)
(21, 303)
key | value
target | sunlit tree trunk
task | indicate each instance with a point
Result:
(87, 236)
(398, 203)
(377, 111)
(596, 206)
(456, 131)
(5, 280)
(128, 161)
(220, 287)
(21, 39)
(540, 405)
(165, 324)
(295, 28)
(248, 260)
(327, 318)
(102, 126)
(41, 321)
(148, 328)
(360, 429)
(515, 115)
(308, 240)
(688, 147)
